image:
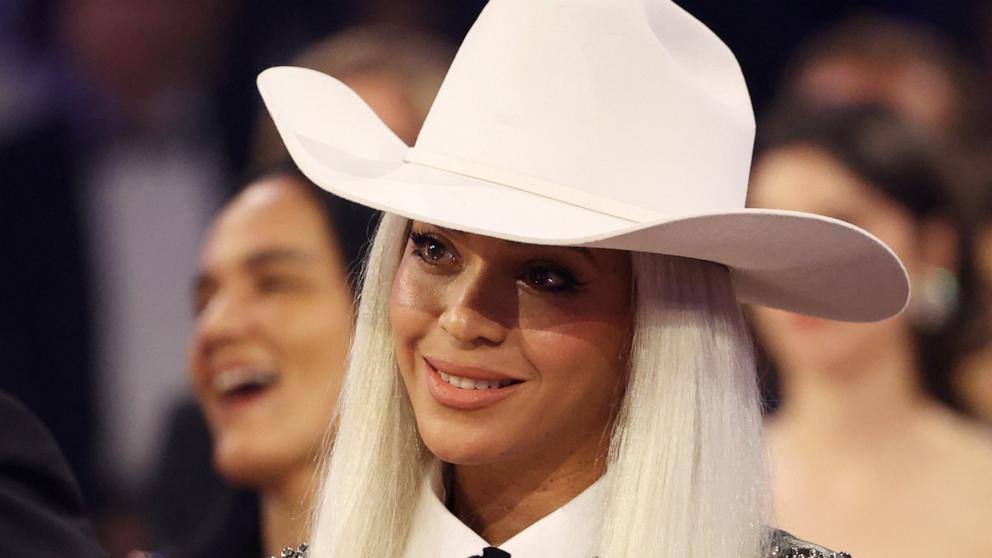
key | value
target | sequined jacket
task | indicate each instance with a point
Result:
(783, 545)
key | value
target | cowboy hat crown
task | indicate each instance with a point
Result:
(598, 104)
(605, 123)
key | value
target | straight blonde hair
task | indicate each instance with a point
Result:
(685, 473)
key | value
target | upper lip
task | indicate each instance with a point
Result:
(471, 372)
(226, 381)
(218, 366)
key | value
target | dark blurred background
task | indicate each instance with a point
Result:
(124, 124)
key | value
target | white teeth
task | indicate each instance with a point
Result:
(231, 379)
(468, 383)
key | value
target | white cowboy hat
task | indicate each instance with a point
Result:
(610, 124)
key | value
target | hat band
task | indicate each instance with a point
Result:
(557, 192)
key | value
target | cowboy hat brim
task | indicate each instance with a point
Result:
(790, 260)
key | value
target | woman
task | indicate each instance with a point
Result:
(398, 88)
(549, 359)
(273, 302)
(865, 426)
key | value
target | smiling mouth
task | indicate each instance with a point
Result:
(480, 379)
(471, 388)
(469, 383)
(236, 383)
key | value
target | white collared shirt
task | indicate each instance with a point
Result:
(570, 531)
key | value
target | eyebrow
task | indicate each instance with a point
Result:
(254, 261)
(581, 250)
(267, 256)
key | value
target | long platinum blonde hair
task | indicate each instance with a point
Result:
(685, 471)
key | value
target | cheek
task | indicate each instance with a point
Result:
(770, 324)
(196, 370)
(794, 340)
(316, 350)
(899, 233)
(577, 388)
(576, 341)
(415, 290)
(783, 333)
(581, 362)
(307, 340)
(579, 345)
(413, 310)
(594, 327)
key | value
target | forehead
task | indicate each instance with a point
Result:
(807, 178)
(272, 213)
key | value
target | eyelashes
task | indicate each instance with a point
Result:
(552, 279)
(429, 248)
(541, 275)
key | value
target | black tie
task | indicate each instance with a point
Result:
(492, 552)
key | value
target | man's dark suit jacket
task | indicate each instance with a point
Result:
(41, 510)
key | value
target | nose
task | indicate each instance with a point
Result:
(479, 311)
(467, 325)
(224, 319)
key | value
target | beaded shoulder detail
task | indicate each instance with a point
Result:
(784, 545)
(300, 552)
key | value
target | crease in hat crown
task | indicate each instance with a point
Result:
(551, 111)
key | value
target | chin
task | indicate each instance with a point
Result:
(461, 455)
(245, 466)
(239, 474)
(464, 446)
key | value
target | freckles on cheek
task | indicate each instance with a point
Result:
(413, 288)
(401, 294)
(411, 310)
(408, 294)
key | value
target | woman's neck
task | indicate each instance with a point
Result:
(500, 500)
(866, 402)
(285, 510)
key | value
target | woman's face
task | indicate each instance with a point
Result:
(274, 319)
(509, 351)
(808, 179)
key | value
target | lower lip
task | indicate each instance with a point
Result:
(238, 401)
(465, 399)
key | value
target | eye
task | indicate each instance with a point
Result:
(549, 278)
(276, 283)
(429, 248)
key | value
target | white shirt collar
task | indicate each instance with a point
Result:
(570, 531)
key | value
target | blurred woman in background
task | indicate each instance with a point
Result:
(866, 450)
(274, 306)
(919, 74)
(397, 72)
